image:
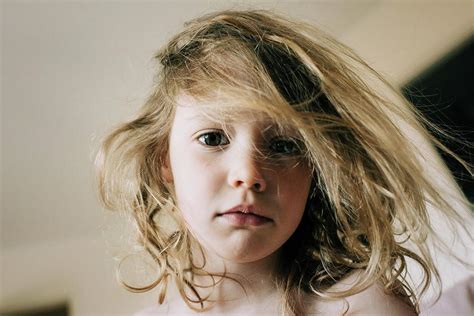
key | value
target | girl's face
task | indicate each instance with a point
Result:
(238, 204)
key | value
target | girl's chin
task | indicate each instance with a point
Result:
(243, 256)
(238, 246)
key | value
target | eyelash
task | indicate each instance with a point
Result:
(221, 136)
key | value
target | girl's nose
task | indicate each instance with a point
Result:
(246, 172)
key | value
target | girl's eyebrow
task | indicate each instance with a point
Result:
(200, 119)
(205, 118)
(285, 130)
(269, 126)
(198, 116)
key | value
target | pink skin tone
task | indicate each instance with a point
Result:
(209, 181)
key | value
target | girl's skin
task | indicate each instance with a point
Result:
(211, 174)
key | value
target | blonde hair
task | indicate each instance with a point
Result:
(369, 185)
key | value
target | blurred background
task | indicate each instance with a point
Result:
(70, 70)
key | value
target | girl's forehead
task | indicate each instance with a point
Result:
(219, 111)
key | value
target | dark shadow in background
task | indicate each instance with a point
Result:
(61, 309)
(445, 94)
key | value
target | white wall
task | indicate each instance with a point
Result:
(70, 70)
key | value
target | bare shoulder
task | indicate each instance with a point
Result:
(372, 301)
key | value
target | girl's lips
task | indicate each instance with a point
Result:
(244, 219)
(244, 215)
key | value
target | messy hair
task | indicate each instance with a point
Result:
(368, 204)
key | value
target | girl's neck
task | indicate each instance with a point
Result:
(254, 288)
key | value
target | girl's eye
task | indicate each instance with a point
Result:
(213, 139)
(285, 147)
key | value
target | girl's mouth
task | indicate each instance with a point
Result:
(244, 219)
(244, 215)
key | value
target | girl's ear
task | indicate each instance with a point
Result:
(166, 170)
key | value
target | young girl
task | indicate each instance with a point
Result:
(272, 171)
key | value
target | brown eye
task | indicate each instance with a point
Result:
(213, 139)
(285, 147)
